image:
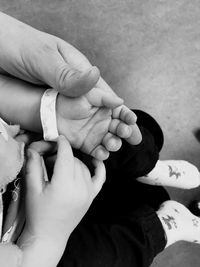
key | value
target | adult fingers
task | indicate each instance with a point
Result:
(75, 76)
(43, 147)
(27, 137)
(64, 165)
(99, 177)
(34, 172)
(59, 74)
(79, 62)
(13, 130)
(73, 83)
(103, 85)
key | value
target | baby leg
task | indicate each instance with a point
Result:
(175, 173)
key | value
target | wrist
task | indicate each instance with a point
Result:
(42, 250)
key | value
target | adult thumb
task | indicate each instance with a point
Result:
(59, 74)
(73, 83)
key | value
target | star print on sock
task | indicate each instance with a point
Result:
(195, 222)
(173, 172)
(169, 221)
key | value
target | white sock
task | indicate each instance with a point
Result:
(175, 173)
(179, 223)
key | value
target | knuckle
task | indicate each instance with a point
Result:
(47, 48)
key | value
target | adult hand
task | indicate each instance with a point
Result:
(54, 208)
(41, 58)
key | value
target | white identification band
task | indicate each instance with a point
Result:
(48, 115)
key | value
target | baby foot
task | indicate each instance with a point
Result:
(174, 173)
(179, 223)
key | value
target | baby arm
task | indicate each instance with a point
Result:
(85, 121)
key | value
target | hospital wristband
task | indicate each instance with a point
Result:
(48, 115)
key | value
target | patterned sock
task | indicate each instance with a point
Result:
(174, 173)
(178, 223)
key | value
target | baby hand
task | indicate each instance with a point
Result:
(95, 129)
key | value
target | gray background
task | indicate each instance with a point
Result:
(149, 52)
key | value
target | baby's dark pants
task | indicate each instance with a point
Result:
(121, 228)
